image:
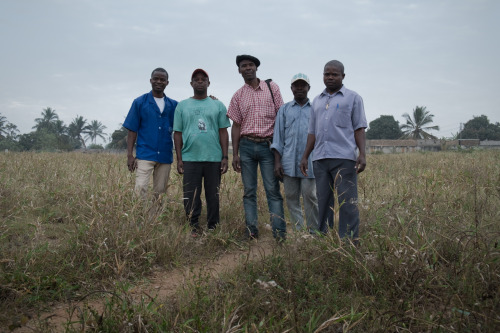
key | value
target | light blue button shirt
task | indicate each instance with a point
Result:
(290, 137)
(334, 119)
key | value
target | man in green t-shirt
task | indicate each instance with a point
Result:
(201, 144)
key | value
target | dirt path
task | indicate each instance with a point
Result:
(162, 284)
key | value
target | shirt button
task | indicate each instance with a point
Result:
(159, 127)
(158, 152)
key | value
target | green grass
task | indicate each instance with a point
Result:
(428, 259)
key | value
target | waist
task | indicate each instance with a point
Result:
(257, 138)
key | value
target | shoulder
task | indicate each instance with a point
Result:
(143, 98)
(173, 101)
(351, 92)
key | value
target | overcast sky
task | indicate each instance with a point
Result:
(93, 57)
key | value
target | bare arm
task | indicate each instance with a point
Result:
(178, 151)
(235, 138)
(224, 144)
(360, 138)
(131, 161)
(311, 140)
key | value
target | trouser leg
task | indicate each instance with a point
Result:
(142, 177)
(211, 178)
(347, 189)
(324, 192)
(308, 190)
(292, 187)
(191, 183)
(249, 177)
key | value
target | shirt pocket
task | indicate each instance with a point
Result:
(343, 118)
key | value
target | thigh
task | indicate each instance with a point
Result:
(292, 186)
(248, 165)
(266, 162)
(143, 172)
(191, 180)
(160, 176)
(324, 179)
(346, 182)
(211, 177)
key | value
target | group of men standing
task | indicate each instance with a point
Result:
(267, 134)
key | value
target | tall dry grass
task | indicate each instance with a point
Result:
(428, 259)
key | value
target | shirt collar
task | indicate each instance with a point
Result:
(262, 85)
(342, 91)
(307, 103)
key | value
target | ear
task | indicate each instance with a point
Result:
(166, 83)
(239, 70)
(208, 84)
(191, 83)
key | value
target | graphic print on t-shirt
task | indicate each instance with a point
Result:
(202, 126)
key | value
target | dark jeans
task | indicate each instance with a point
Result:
(194, 172)
(338, 174)
(253, 155)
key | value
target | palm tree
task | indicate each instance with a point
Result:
(77, 127)
(49, 117)
(94, 130)
(415, 128)
(3, 126)
(59, 128)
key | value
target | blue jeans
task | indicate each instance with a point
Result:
(337, 175)
(253, 154)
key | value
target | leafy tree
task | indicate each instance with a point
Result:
(384, 128)
(119, 139)
(77, 127)
(416, 128)
(480, 128)
(95, 129)
(3, 126)
(49, 117)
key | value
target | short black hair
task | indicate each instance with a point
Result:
(336, 64)
(159, 69)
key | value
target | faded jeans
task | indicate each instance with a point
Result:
(295, 187)
(253, 154)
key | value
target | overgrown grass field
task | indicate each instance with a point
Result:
(429, 258)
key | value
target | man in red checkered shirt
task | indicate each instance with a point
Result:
(253, 110)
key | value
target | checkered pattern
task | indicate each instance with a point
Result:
(254, 109)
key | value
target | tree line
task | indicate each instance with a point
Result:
(51, 134)
(418, 125)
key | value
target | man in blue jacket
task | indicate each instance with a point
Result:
(150, 122)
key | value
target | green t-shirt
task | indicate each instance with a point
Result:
(199, 121)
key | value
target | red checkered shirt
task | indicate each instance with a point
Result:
(254, 109)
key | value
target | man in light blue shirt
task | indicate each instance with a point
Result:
(336, 132)
(289, 142)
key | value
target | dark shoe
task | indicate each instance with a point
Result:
(253, 236)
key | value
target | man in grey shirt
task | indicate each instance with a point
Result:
(336, 132)
(289, 142)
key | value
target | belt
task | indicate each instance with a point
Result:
(257, 138)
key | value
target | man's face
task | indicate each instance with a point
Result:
(159, 81)
(200, 83)
(333, 77)
(247, 69)
(300, 88)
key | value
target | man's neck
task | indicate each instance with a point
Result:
(200, 96)
(331, 92)
(253, 82)
(301, 101)
(158, 95)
